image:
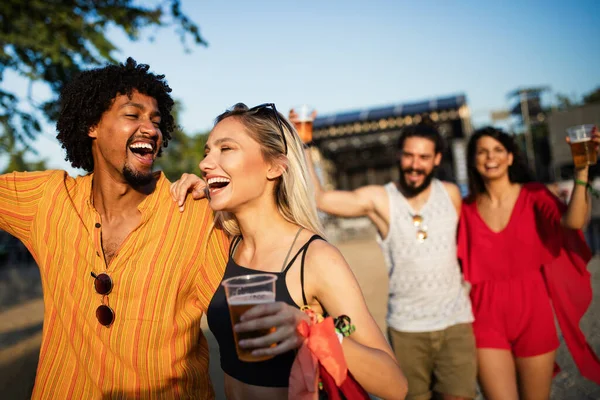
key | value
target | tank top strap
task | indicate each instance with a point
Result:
(233, 245)
(303, 251)
(287, 256)
(439, 192)
(398, 203)
(300, 250)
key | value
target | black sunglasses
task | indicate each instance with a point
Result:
(272, 107)
(103, 284)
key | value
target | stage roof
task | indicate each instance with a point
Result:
(397, 110)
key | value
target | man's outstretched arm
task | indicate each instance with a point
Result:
(343, 203)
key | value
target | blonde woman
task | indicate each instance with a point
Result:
(258, 185)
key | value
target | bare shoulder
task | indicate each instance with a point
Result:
(452, 189)
(321, 251)
(328, 274)
(324, 259)
(454, 193)
(331, 281)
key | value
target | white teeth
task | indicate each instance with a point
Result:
(142, 146)
(215, 180)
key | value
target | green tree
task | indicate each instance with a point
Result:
(592, 97)
(15, 152)
(184, 152)
(49, 41)
(564, 102)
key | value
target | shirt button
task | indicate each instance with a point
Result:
(98, 225)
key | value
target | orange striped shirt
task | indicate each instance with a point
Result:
(164, 276)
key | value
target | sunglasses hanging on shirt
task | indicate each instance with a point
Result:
(103, 284)
(417, 221)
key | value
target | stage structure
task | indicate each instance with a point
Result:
(358, 148)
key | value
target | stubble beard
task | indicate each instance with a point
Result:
(412, 191)
(136, 178)
(133, 177)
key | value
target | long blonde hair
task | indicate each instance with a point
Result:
(294, 192)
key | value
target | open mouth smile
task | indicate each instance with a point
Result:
(217, 184)
(144, 151)
(413, 176)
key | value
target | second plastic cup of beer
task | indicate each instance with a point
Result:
(304, 122)
(582, 146)
(243, 293)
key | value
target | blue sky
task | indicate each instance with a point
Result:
(344, 55)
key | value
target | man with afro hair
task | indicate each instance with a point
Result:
(126, 277)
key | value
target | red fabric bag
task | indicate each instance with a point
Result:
(320, 370)
(350, 389)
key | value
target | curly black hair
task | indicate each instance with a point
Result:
(92, 93)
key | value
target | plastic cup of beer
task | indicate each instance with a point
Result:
(304, 122)
(243, 293)
(582, 146)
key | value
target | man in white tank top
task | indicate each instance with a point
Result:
(429, 313)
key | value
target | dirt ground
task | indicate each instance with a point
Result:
(21, 318)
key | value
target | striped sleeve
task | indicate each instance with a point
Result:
(214, 260)
(20, 195)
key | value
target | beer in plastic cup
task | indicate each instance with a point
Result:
(582, 146)
(304, 122)
(243, 293)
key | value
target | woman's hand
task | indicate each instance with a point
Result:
(188, 183)
(279, 315)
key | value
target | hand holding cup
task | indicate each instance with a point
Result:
(282, 320)
(303, 117)
(262, 327)
(584, 141)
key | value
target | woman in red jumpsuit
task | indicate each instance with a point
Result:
(523, 252)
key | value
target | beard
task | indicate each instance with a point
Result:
(410, 190)
(135, 178)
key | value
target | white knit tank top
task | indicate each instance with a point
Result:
(426, 290)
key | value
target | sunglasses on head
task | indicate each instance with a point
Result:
(103, 284)
(271, 106)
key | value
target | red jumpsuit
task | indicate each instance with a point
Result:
(522, 273)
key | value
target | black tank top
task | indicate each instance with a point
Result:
(274, 372)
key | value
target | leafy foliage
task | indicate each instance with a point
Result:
(50, 41)
(592, 97)
(184, 152)
(565, 102)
